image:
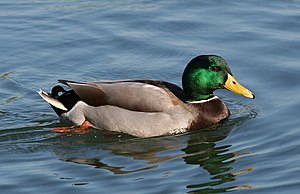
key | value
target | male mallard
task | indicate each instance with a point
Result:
(147, 108)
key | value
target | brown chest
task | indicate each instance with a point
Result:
(208, 114)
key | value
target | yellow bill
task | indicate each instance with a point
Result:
(234, 86)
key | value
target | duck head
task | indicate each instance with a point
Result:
(206, 73)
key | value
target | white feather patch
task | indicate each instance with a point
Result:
(178, 131)
(52, 101)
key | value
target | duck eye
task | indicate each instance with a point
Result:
(214, 68)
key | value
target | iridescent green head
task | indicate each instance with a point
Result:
(206, 73)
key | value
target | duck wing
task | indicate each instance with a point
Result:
(135, 95)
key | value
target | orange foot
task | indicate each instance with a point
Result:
(83, 129)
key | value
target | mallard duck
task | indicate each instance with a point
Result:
(146, 108)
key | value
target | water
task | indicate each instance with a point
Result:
(255, 151)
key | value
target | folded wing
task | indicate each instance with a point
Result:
(136, 95)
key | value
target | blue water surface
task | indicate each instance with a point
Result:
(255, 151)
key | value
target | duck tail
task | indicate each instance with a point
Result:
(58, 107)
(60, 100)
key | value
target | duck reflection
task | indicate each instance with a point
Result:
(135, 155)
(216, 160)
